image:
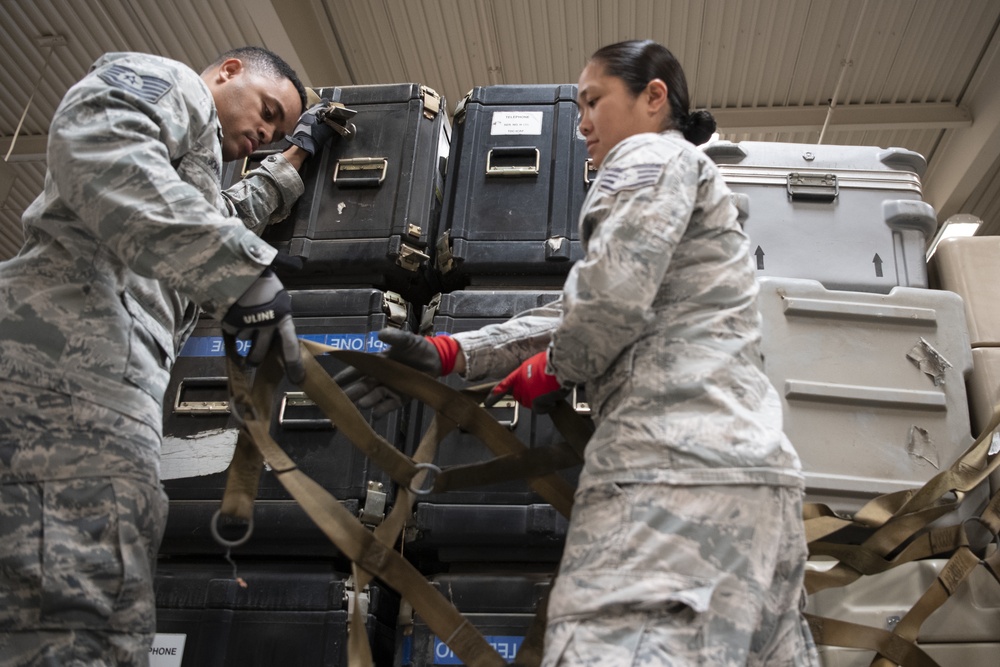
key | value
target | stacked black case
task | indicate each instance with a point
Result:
(518, 176)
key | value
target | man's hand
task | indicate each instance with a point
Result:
(530, 385)
(264, 311)
(311, 132)
(434, 355)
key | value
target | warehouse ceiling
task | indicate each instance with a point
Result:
(918, 74)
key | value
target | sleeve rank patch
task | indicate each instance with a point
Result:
(617, 179)
(148, 88)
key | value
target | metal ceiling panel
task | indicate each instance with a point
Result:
(741, 56)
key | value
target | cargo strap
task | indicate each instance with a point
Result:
(371, 552)
(901, 534)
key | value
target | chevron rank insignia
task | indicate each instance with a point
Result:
(148, 88)
(617, 179)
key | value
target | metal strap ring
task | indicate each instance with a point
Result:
(213, 526)
(432, 472)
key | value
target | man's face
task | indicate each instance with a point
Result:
(253, 108)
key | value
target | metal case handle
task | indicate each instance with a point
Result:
(186, 407)
(363, 166)
(299, 399)
(510, 155)
(812, 187)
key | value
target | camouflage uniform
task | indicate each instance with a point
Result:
(686, 543)
(129, 237)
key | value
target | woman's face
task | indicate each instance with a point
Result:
(609, 112)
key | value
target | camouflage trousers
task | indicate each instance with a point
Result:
(665, 575)
(76, 553)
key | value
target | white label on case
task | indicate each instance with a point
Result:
(167, 650)
(516, 122)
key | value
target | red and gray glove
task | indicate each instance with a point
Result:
(434, 355)
(530, 385)
(264, 316)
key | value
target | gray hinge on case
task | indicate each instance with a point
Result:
(352, 597)
(445, 260)
(427, 318)
(373, 510)
(411, 258)
(395, 307)
(460, 108)
(432, 102)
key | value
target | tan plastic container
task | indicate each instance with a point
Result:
(984, 386)
(970, 267)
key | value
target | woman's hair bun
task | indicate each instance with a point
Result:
(699, 126)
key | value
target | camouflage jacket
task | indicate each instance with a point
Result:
(659, 320)
(130, 236)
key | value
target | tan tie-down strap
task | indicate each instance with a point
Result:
(899, 520)
(372, 552)
(900, 532)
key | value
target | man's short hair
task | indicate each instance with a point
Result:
(261, 61)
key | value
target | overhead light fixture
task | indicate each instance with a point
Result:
(960, 224)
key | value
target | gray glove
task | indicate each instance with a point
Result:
(406, 348)
(264, 310)
(310, 132)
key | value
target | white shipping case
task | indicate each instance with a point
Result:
(850, 217)
(963, 632)
(979, 654)
(971, 614)
(872, 385)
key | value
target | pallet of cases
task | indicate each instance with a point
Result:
(501, 606)
(372, 200)
(850, 217)
(504, 520)
(963, 631)
(275, 614)
(872, 386)
(518, 175)
(199, 433)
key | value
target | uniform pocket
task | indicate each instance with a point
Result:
(150, 350)
(98, 549)
(81, 560)
(606, 392)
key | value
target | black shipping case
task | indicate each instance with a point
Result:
(234, 170)
(501, 606)
(504, 520)
(518, 175)
(372, 201)
(344, 318)
(289, 613)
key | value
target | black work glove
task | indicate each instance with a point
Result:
(310, 132)
(264, 316)
(434, 355)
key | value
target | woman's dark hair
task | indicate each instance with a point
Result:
(637, 62)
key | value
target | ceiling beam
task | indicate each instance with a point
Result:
(299, 31)
(966, 154)
(27, 148)
(846, 117)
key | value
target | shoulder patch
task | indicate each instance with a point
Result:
(148, 88)
(617, 179)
